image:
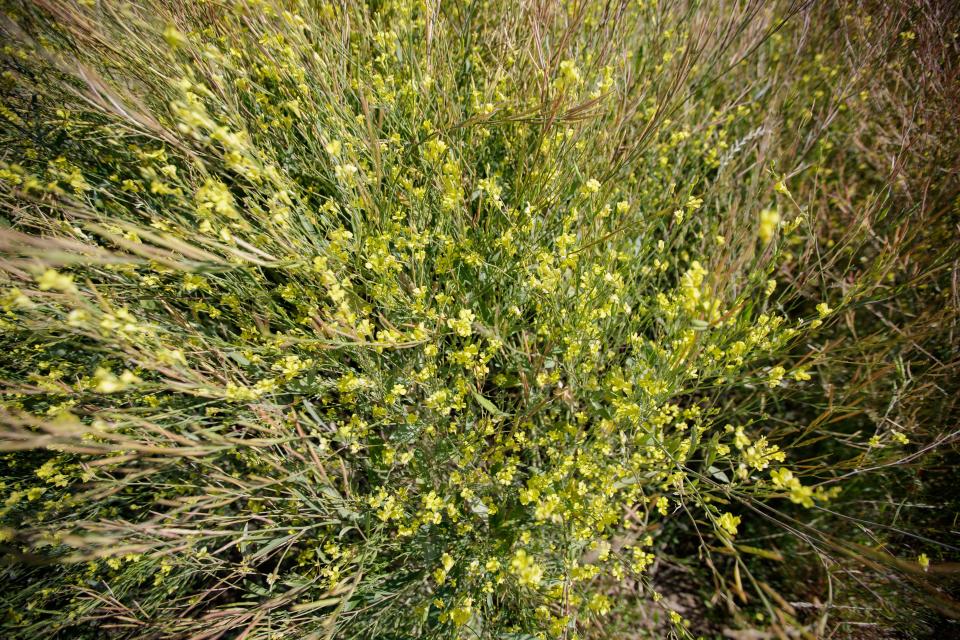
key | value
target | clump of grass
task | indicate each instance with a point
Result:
(438, 319)
(889, 172)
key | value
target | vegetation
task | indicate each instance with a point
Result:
(478, 319)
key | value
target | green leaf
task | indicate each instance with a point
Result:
(486, 404)
(316, 604)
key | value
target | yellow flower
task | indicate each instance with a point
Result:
(107, 382)
(447, 561)
(56, 281)
(728, 522)
(525, 568)
(663, 505)
(174, 38)
(434, 150)
(461, 615)
(775, 376)
(801, 495)
(346, 173)
(769, 219)
(15, 299)
(599, 604)
(462, 324)
(781, 477)
(569, 75)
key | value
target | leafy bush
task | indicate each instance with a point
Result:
(421, 319)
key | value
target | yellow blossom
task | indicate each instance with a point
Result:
(728, 522)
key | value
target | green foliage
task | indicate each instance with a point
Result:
(469, 319)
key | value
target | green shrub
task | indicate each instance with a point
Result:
(422, 319)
